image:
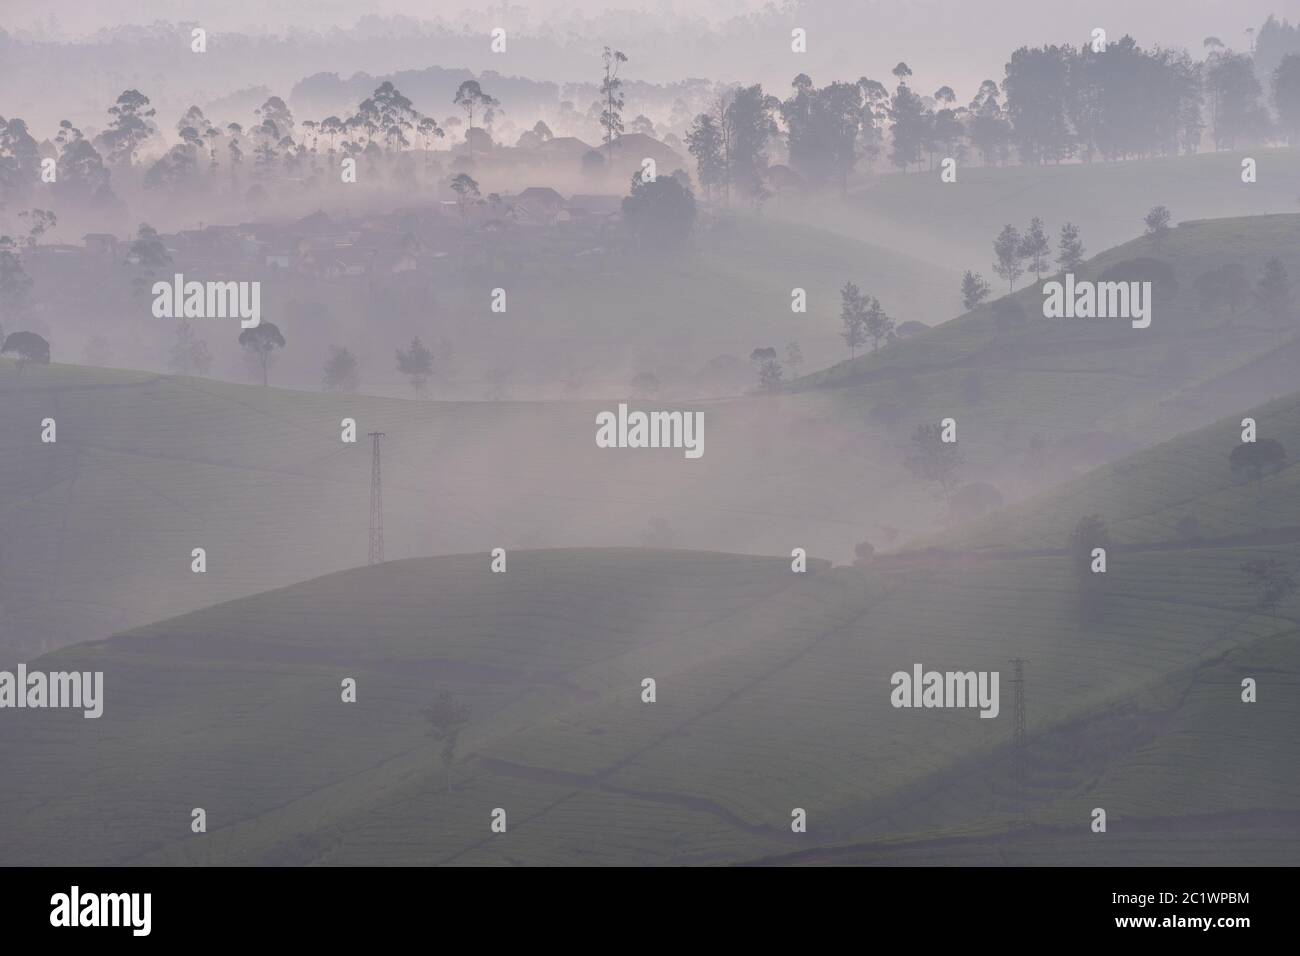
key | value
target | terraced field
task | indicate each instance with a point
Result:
(772, 693)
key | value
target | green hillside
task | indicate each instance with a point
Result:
(1180, 492)
(96, 530)
(952, 225)
(1012, 380)
(772, 693)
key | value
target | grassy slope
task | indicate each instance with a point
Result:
(98, 529)
(773, 693)
(1055, 377)
(1143, 497)
(953, 225)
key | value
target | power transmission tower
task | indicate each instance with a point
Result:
(376, 501)
(1019, 748)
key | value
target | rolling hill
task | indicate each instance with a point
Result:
(97, 530)
(952, 225)
(773, 693)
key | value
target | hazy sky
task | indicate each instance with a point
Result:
(945, 42)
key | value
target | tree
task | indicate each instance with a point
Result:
(1236, 100)
(20, 160)
(822, 128)
(1251, 461)
(909, 122)
(471, 98)
(749, 127)
(416, 363)
(39, 222)
(1286, 96)
(148, 255)
(1069, 254)
(934, 460)
(989, 131)
(28, 346)
(704, 142)
(660, 214)
(447, 717)
(131, 126)
(863, 552)
(1157, 223)
(611, 90)
(1088, 534)
(394, 115)
(1272, 578)
(189, 353)
(466, 190)
(974, 290)
(260, 343)
(853, 315)
(15, 284)
(877, 324)
(1037, 91)
(341, 371)
(1274, 290)
(82, 176)
(770, 372)
(1007, 253)
(1035, 247)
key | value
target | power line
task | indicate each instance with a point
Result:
(376, 501)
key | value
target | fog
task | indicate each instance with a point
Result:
(280, 281)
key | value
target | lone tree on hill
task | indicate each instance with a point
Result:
(1157, 223)
(260, 343)
(416, 363)
(447, 717)
(28, 346)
